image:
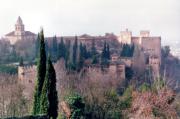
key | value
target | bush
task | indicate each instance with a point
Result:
(144, 87)
(29, 117)
(8, 69)
(76, 104)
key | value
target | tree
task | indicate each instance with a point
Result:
(165, 51)
(61, 49)
(93, 48)
(41, 71)
(108, 53)
(81, 56)
(54, 48)
(85, 52)
(127, 50)
(67, 55)
(105, 56)
(77, 106)
(37, 45)
(21, 63)
(44, 97)
(95, 59)
(52, 110)
(75, 46)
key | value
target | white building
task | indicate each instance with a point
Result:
(19, 33)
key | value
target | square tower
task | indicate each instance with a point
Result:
(125, 37)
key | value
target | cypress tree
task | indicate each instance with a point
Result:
(93, 48)
(127, 50)
(47, 48)
(105, 56)
(81, 56)
(44, 98)
(61, 49)
(108, 56)
(74, 58)
(52, 110)
(41, 71)
(95, 59)
(85, 52)
(21, 62)
(54, 48)
(37, 45)
(67, 54)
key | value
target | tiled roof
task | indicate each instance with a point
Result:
(27, 33)
(10, 34)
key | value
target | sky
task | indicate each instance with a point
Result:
(94, 17)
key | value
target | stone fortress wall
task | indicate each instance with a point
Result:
(150, 46)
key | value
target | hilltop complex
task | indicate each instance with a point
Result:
(146, 52)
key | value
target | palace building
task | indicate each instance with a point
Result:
(19, 33)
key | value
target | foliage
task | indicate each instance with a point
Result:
(75, 51)
(95, 59)
(37, 45)
(126, 98)
(54, 48)
(165, 51)
(44, 98)
(21, 63)
(157, 113)
(93, 48)
(76, 104)
(144, 87)
(62, 51)
(128, 73)
(12, 100)
(81, 57)
(157, 85)
(127, 50)
(105, 56)
(41, 71)
(8, 69)
(52, 110)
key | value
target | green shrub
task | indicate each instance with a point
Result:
(144, 87)
(76, 104)
(8, 69)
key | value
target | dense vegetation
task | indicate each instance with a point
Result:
(83, 93)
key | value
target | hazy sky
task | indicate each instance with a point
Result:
(95, 17)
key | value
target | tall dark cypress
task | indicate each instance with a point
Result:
(52, 110)
(54, 48)
(108, 56)
(21, 62)
(85, 53)
(105, 56)
(67, 54)
(37, 45)
(81, 56)
(75, 47)
(41, 71)
(44, 98)
(61, 49)
(93, 48)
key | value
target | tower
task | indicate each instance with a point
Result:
(19, 28)
(19, 33)
(125, 37)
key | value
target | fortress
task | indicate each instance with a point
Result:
(147, 53)
(150, 45)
